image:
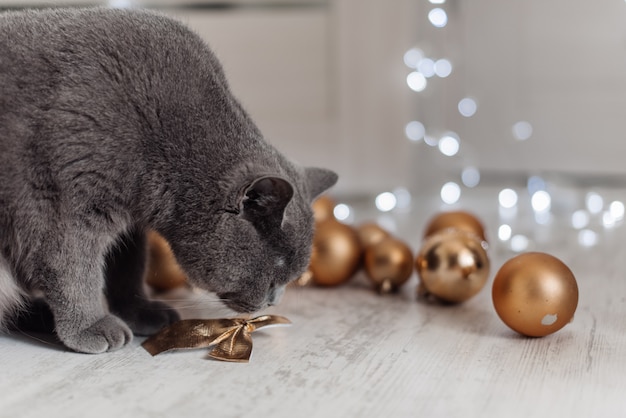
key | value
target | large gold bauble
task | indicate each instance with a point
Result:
(461, 220)
(163, 271)
(336, 253)
(452, 266)
(371, 233)
(535, 294)
(323, 209)
(388, 264)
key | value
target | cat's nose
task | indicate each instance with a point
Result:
(275, 294)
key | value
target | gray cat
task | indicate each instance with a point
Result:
(113, 122)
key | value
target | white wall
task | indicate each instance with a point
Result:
(559, 64)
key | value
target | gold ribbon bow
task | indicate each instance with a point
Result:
(230, 337)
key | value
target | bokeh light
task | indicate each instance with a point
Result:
(507, 198)
(426, 66)
(522, 130)
(416, 81)
(443, 68)
(541, 201)
(450, 193)
(412, 57)
(580, 219)
(587, 238)
(543, 217)
(385, 201)
(403, 198)
(614, 215)
(519, 243)
(448, 145)
(467, 107)
(470, 176)
(594, 203)
(431, 140)
(535, 184)
(120, 4)
(342, 212)
(616, 209)
(438, 17)
(415, 130)
(504, 232)
(608, 221)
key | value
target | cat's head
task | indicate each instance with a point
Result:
(260, 238)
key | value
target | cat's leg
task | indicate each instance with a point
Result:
(125, 267)
(69, 268)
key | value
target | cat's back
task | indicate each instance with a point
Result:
(98, 59)
(96, 39)
(105, 77)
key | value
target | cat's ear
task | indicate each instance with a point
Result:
(319, 180)
(264, 201)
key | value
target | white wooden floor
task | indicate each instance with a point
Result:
(353, 353)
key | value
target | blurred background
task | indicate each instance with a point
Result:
(406, 98)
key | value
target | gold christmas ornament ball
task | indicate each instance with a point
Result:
(535, 294)
(163, 271)
(336, 253)
(371, 233)
(462, 220)
(452, 266)
(388, 264)
(323, 208)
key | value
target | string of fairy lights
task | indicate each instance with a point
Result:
(422, 69)
(588, 218)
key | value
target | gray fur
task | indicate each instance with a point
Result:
(113, 122)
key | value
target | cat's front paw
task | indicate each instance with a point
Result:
(107, 334)
(148, 317)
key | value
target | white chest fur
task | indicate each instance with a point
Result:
(11, 296)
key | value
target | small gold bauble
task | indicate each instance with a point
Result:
(323, 208)
(452, 265)
(535, 294)
(371, 233)
(336, 253)
(462, 220)
(163, 271)
(388, 264)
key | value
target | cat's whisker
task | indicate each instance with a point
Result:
(196, 304)
(194, 301)
(33, 337)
